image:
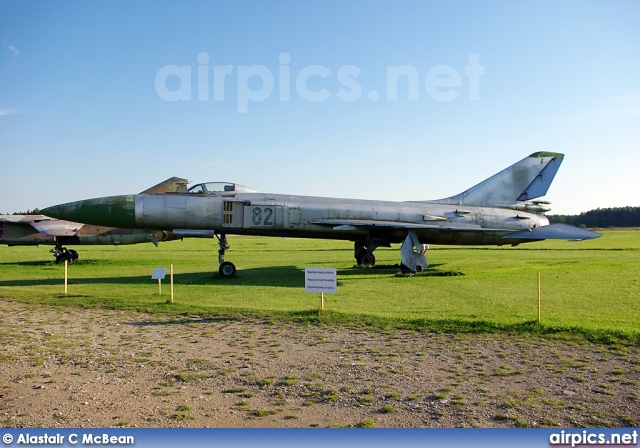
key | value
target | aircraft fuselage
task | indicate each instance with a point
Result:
(311, 217)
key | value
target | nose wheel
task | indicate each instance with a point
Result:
(226, 269)
(63, 254)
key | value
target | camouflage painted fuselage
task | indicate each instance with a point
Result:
(30, 230)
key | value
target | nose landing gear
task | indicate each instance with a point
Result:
(226, 269)
(63, 254)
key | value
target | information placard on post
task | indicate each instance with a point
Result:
(158, 274)
(322, 280)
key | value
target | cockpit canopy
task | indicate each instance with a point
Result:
(220, 188)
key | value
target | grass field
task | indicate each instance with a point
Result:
(590, 288)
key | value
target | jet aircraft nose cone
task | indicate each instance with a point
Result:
(112, 211)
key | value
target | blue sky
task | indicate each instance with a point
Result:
(106, 98)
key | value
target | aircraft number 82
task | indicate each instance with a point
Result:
(262, 216)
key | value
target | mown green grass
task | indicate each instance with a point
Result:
(591, 287)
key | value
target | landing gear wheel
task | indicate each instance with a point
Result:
(66, 255)
(404, 269)
(227, 269)
(369, 259)
(366, 259)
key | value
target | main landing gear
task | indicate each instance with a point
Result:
(63, 254)
(412, 253)
(363, 250)
(226, 269)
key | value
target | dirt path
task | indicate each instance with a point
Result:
(68, 367)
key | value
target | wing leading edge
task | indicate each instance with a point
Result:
(354, 224)
(556, 231)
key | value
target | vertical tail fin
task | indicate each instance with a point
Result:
(527, 179)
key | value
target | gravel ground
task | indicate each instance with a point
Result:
(71, 367)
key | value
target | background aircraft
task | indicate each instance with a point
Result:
(33, 230)
(500, 210)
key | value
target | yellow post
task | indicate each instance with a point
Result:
(65, 277)
(159, 286)
(322, 301)
(538, 297)
(171, 279)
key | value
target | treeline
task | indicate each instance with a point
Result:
(35, 211)
(602, 217)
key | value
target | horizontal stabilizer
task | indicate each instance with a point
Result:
(557, 231)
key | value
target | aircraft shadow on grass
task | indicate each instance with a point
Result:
(42, 263)
(394, 270)
(279, 276)
(283, 276)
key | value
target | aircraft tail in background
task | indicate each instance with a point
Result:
(171, 185)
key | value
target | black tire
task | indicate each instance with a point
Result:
(366, 259)
(65, 256)
(227, 269)
(74, 254)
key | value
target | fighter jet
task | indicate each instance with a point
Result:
(34, 230)
(503, 209)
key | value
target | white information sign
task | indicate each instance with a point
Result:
(158, 273)
(322, 280)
